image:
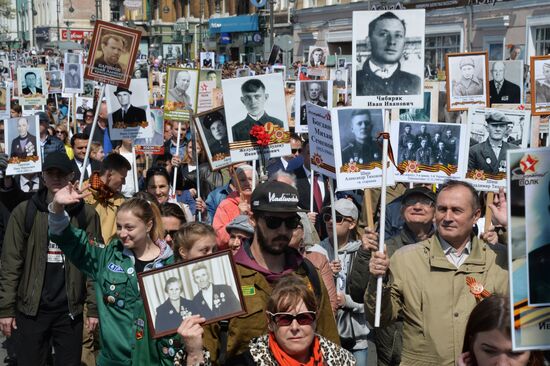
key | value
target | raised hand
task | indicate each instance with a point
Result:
(68, 195)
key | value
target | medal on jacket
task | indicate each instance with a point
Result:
(477, 288)
(139, 328)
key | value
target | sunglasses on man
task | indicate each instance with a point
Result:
(338, 218)
(274, 222)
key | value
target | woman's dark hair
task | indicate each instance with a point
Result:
(490, 314)
(287, 294)
(169, 209)
(156, 170)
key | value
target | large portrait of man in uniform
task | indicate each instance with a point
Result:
(467, 80)
(358, 131)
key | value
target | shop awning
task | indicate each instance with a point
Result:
(241, 23)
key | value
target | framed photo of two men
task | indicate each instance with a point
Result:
(207, 286)
(467, 80)
(388, 59)
(112, 54)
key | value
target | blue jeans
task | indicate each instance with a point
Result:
(361, 356)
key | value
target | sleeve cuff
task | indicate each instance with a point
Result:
(57, 222)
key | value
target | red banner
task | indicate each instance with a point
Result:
(76, 35)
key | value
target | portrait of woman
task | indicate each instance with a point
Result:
(175, 308)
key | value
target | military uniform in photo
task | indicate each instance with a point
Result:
(23, 147)
(372, 80)
(406, 137)
(423, 155)
(361, 153)
(442, 156)
(542, 92)
(101, 64)
(465, 87)
(424, 136)
(407, 154)
(223, 302)
(241, 131)
(169, 317)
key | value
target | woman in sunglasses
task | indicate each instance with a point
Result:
(291, 338)
(62, 134)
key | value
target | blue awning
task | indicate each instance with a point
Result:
(241, 23)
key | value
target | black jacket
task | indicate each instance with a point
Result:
(400, 83)
(509, 93)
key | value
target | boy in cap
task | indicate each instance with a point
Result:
(468, 84)
(41, 294)
(490, 155)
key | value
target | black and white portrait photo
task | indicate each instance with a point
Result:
(32, 85)
(540, 85)
(22, 145)
(113, 52)
(388, 58)
(492, 133)
(83, 104)
(208, 60)
(339, 78)
(211, 75)
(505, 82)
(207, 286)
(213, 132)
(181, 88)
(317, 56)
(318, 92)
(55, 82)
(171, 52)
(467, 80)
(428, 152)
(128, 109)
(255, 101)
(357, 154)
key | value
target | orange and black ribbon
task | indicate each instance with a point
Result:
(386, 136)
(477, 288)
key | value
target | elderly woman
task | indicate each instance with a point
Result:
(291, 339)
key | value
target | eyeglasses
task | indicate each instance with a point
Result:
(172, 233)
(274, 222)
(294, 151)
(411, 201)
(339, 218)
(285, 319)
(59, 132)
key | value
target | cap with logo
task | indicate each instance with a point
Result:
(57, 160)
(345, 207)
(275, 196)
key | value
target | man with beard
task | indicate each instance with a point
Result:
(261, 262)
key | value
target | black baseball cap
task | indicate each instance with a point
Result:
(57, 160)
(418, 190)
(275, 196)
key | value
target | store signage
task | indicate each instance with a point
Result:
(76, 35)
(396, 6)
(132, 4)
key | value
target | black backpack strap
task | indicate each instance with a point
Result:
(313, 276)
(81, 217)
(224, 329)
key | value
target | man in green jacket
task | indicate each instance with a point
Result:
(259, 264)
(436, 283)
(41, 293)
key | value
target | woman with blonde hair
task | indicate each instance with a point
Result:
(62, 133)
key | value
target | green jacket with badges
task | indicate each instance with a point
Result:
(24, 261)
(433, 298)
(256, 291)
(125, 338)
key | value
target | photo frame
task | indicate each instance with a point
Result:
(429, 113)
(308, 91)
(208, 60)
(5, 100)
(180, 96)
(375, 84)
(428, 152)
(528, 235)
(486, 126)
(467, 83)
(317, 56)
(290, 94)
(154, 145)
(216, 272)
(31, 83)
(113, 52)
(22, 159)
(209, 95)
(506, 82)
(540, 85)
(212, 129)
(263, 96)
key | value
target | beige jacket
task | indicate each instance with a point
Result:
(107, 212)
(433, 298)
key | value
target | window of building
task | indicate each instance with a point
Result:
(437, 46)
(541, 40)
(281, 5)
